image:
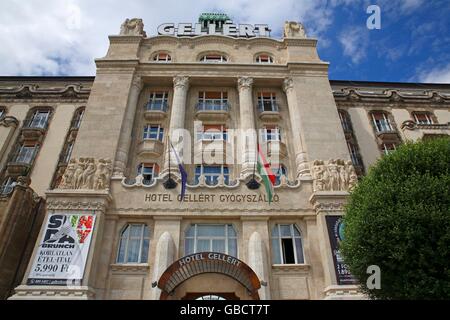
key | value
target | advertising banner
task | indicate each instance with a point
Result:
(63, 249)
(335, 228)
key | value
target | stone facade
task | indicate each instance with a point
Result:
(90, 156)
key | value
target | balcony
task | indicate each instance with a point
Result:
(34, 129)
(150, 148)
(155, 110)
(268, 111)
(212, 110)
(276, 149)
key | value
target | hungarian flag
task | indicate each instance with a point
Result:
(266, 174)
(182, 172)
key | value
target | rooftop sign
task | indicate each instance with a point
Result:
(214, 24)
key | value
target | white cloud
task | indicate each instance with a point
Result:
(354, 41)
(55, 37)
(436, 75)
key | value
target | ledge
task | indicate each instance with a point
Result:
(291, 267)
(130, 267)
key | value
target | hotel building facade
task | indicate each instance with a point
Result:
(86, 210)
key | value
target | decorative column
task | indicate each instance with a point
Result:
(301, 159)
(258, 261)
(123, 146)
(165, 255)
(177, 116)
(247, 121)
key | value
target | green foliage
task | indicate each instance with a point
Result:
(398, 218)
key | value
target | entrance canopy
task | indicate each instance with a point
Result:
(208, 262)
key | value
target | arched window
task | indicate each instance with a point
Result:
(220, 238)
(287, 245)
(214, 58)
(134, 243)
(162, 57)
(264, 58)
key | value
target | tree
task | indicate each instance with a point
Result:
(398, 218)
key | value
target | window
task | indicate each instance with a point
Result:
(381, 122)
(148, 172)
(287, 245)
(76, 122)
(271, 133)
(39, 119)
(388, 147)
(423, 117)
(2, 111)
(162, 57)
(212, 173)
(278, 172)
(214, 58)
(354, 155)
(153, 132)
(158, 101)
(216, 101)
(345, 121)
(67, 152)
(26, 154)
(212, 132)
(220, 238)
(267, 101)
(7, 186)
(264, 58)
(134, 243)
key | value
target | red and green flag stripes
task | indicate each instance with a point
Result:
(264, 170)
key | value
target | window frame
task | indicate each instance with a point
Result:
(279, 238)
(147, 132)
(428, 116)
(157, 104)
(227, 237)
(156, 57)
(142, 239)
(384, 148)
(40, 124)
(381, 126)
(267, 98)
(204, 58)
(212, 135)
(275, 134)
(212, 176)
(147, 165)
(270, 58)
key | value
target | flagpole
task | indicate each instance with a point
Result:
(252, 184)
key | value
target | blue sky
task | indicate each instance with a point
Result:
(62, 37)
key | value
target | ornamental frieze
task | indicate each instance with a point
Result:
(87, 173)
(333, 175)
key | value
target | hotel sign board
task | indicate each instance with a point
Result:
(228, 29)
(335, 228)
(63, 250)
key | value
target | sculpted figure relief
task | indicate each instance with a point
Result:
(132, 27)
(87, 173)
(293, 29)
(334, 175)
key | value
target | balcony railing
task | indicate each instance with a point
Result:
(267, 106)
(156, 106)
(212, 105)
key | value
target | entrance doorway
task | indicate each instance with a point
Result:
(210, 296)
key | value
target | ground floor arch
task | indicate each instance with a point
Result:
(209, 273)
